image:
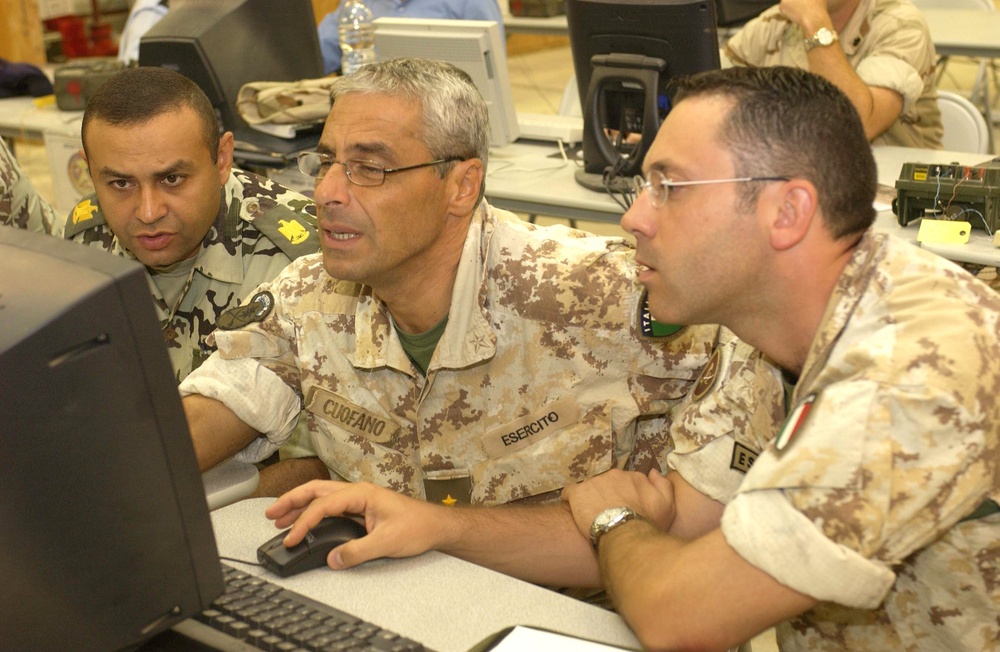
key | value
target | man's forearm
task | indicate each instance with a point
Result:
(285, 475)
(216, 432)
(539, 544)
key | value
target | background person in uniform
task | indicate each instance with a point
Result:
(870, 522)
(440, 347)
(329, 37)
(168, 196)
(20, 204)
(878, 52)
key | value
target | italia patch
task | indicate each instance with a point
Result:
(706, 381)
(652, 328)
(254, 310)
(795, 421)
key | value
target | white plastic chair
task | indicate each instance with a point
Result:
(965, 128)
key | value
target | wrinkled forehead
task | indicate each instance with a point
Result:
(373, 123)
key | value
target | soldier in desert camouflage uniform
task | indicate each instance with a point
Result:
(540, 369)
(20, 204)
(548, 369)
(870, 521)
(167, 196)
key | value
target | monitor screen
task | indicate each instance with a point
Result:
(223, 44)
(639, 44)
(474, 46)
(737, 12)
(106, 535)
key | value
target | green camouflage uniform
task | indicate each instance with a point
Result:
(871, 506)
(544, 375)
(20, 204)
(887, 43)
(260, 228)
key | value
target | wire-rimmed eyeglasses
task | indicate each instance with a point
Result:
(659, 186)
(360, 172)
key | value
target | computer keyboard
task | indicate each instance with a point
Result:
(257, 614)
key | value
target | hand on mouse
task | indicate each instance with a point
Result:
(398, 526)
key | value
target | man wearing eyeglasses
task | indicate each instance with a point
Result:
(870, 519)
(168, 196)
(441, 348)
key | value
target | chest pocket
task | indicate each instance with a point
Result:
(543, 452)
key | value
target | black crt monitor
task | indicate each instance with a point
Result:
(223, 44)
(736, 12)
(625, 53)
(106, 536)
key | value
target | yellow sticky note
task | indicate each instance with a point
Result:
(943, 231)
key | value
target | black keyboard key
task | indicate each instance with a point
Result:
(267, 617)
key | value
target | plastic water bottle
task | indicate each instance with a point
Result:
(357, 36)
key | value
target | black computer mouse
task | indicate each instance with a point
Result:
(311, 552)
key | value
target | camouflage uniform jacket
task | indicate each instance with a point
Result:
(869, 504)
(20, 204)
(542, 377)
(260, 228)
(887, 43)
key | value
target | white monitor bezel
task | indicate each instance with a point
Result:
(475, 46)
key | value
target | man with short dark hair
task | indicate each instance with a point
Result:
(869, 521)
(168, 196)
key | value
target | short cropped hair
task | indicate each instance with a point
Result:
(790, 122)
(135, 96)
(456, 121)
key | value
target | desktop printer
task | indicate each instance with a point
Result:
(950, 191)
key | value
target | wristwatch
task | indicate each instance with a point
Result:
(608, 520)
(823, 37)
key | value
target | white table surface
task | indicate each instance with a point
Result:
(20, 117)
(443, 602)
(966, 32)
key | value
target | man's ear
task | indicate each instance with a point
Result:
(224, 162)
(467, 180)
(797, 208)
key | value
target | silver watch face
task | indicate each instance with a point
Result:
(824, 36)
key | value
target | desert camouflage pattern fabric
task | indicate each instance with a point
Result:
(887, 43)
(867, 508)
(541, 378)
(20, 204)
(728, 419)
(260, 228)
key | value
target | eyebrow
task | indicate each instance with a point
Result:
(108, 172)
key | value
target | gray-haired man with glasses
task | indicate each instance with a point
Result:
(441, 348)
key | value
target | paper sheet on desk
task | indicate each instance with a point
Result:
(528, 638)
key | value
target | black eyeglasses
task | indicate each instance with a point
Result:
(360, 172)
(659, 186)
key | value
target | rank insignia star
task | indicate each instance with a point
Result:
(449, 501)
